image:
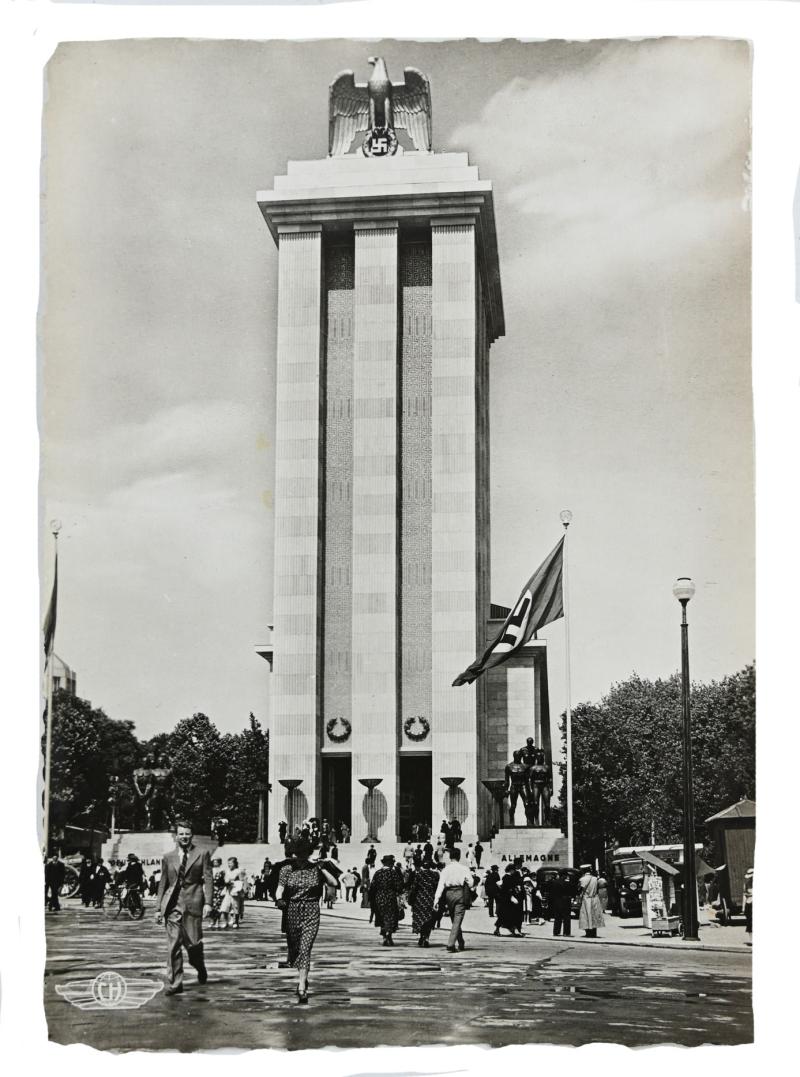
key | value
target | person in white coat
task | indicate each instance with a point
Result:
(591, 911)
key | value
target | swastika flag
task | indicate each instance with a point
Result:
(541, 602)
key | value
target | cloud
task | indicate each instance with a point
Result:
(638, 155)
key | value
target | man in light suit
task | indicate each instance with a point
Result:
(183, 900)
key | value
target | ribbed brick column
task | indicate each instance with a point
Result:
(338, 516)
(454, 583)
(294, 734)
(374, 625)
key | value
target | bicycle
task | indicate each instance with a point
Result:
(129, 900)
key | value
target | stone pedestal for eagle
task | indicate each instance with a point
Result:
(379, 105)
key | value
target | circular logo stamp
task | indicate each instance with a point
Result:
(109, 989)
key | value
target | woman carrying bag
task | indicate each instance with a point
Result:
(300, 887)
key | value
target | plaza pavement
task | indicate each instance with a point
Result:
(500, 991)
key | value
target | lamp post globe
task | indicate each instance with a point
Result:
(683, 589)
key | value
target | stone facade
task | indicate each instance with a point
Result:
(389, 299)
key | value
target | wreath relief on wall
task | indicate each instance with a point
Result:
(338, 730)
(416, 727)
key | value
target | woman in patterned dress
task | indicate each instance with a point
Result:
(219, 890)
(386, 886)
(300, 886)
(423, 890)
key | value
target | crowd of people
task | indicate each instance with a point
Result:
(320, 832)
(432, 883)
(95, 879)
(428, 882)
(514, 898)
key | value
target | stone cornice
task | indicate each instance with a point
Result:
(303, 210)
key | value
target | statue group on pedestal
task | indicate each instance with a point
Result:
(528, 777)
(152, 791)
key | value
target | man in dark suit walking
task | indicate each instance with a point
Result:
(100, 880)
(183, 900)
(559, 900)
(491, 887)
(54, 875)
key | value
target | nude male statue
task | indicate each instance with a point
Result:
(517, 784)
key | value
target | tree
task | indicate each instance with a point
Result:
(121, 752)
(627, 762)
(198, 759)
(88, 748)
(94, 758)
(247, 757)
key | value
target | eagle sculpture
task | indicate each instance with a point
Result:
(379, 105)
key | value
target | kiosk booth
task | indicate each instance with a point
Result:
(662, 892)
(733, 831)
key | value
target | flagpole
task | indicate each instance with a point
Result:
(566, 520)
(55, 527)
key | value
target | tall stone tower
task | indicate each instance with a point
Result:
(388, 301)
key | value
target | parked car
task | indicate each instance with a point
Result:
(625, 874)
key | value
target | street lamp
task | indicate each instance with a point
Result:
(566, 519)
(683, 589)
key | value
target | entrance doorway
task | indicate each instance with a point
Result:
(337, 773)
(416, 788)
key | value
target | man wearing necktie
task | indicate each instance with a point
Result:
(184, 901)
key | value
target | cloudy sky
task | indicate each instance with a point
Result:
(621, 390)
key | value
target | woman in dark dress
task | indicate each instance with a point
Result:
(300, 887)
(510, 903)
(386, 886)
(365, 881)
(421, 895)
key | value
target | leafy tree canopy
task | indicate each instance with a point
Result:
(198, 759)
(627, 760)
(88, 748)
(94, 757)
(247, 755)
